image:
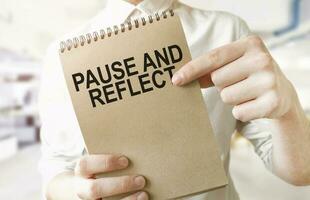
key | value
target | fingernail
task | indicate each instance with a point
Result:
(139, 181)
(123, 161)
(142, 196)
(176, 79)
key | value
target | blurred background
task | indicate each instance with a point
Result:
(26, 29)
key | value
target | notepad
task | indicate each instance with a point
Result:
(119, 80)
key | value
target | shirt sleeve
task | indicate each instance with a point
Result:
(258, 132)
(242, 28)
(62, 142)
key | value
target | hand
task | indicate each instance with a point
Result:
(87, 187)
(247, 77)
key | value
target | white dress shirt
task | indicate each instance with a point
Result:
(62, 142)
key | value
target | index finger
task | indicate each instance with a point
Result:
(90, 165)
(205, 64)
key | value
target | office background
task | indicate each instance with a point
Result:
(26, 29)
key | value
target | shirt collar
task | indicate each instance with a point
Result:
(118, 11)
(152, 6)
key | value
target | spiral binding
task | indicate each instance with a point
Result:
(101, 34)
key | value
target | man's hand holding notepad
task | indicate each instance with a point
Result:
(120, 86)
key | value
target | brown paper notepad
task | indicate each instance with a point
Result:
(119, 80)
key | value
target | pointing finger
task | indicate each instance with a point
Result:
(204, 65)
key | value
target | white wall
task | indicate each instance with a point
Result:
(29, 26)
(261, 15)
(305, 8)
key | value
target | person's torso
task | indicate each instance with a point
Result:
(204, 30)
